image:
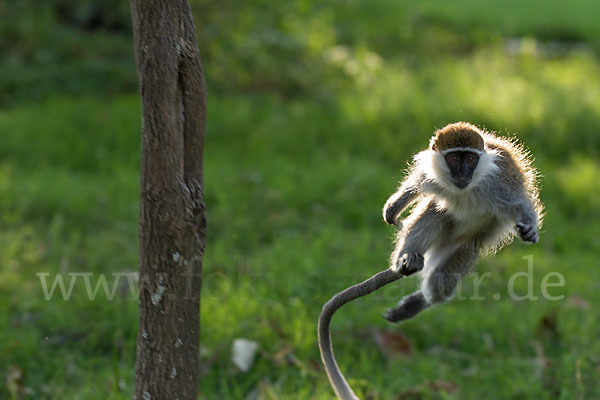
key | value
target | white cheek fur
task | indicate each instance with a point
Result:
(485, 167)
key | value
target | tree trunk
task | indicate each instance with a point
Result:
(172, 217)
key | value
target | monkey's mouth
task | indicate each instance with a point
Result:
(461, 183)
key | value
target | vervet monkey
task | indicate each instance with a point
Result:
(472, 192)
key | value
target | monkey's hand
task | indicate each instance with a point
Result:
(528, 232)
(397, 203)
(390, 214)
(409, 263)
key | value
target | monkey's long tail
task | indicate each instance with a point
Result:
(338, 382)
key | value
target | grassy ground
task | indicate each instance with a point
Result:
(294, 185)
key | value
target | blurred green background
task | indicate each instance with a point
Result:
(314, 109)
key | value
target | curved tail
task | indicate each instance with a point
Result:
(337, 380)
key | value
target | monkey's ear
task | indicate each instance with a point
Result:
(433, 144)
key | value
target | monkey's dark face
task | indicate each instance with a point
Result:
(461, 165)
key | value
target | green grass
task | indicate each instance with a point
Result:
(294, 189)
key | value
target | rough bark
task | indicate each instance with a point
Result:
(172, 216)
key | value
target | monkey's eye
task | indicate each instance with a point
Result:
(469, 158)
(453, 158)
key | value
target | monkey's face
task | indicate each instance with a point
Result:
(461, 165)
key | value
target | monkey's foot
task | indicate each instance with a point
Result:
(408, 307)
(394, 315)
(410, 263)
(528, 232)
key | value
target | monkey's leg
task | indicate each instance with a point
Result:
(421, 230)
(438, 285)
(408, 307)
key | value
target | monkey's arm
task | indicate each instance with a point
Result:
(406, 194)
(526, 218)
